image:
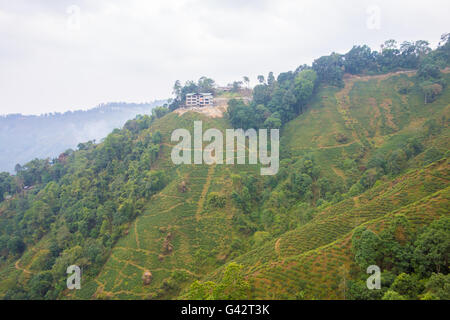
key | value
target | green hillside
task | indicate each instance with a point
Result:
(363, 180)
(308, 259)
(200, 235)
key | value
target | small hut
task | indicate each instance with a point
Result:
(183, 187)
(167, 247)
(147, 277)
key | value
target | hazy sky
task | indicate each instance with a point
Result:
(65, 55)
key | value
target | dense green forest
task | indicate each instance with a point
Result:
(363, 180)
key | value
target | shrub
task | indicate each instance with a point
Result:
(215, 200)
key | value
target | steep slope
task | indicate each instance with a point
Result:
(161, 236)
(338, 113)
(321, 273)
(313, 253)
(365, 118)
(178, 237)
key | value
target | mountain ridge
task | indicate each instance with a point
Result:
(48, 135)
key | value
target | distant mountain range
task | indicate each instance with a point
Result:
(25, 137)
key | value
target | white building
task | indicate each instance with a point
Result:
(199, 99)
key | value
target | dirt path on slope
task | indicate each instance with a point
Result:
(353, 78)
(277, 246)
(17, 266)
(138, 244)
(202, 199)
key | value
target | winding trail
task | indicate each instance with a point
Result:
(129, 262)
(16, 265)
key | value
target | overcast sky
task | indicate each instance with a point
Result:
(66, 55)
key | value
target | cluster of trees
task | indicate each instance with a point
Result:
(385, 163)
(431, 81)
(275, 102)
(236, 86)
(8, 185)
(35, 172)
(81, 203)
(276, 204)
(392, 57)
(414, 264)
(297, 193)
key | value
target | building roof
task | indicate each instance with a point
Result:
(203, 94)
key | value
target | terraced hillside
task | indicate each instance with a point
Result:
(312, 255)
(373, 117)
(368, 112)
(292, 244)
(178, 237)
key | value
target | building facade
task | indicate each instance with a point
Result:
(199, 99)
